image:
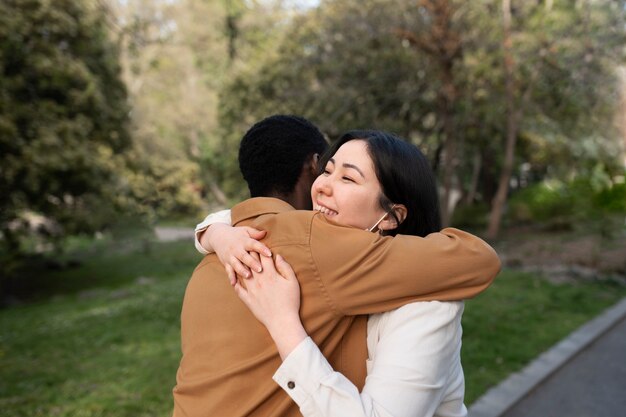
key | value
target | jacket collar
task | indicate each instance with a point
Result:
(255, 207)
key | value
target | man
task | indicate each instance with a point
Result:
(344, 273)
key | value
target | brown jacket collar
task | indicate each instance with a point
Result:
(255, 207)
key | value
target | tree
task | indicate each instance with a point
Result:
(442, 42)
(176, 55)
(433, 71)
(343, 67)
(513, 115)
(63, 120)
(559, 64)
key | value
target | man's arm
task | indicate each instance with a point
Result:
(364, 273)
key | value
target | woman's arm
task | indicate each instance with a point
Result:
(236, 247)
(415, 361)
(273, 296)
(200, 242)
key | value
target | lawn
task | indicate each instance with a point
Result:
(103, 338)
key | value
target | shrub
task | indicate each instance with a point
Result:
(567, 203)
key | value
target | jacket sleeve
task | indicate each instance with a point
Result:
(364, 273)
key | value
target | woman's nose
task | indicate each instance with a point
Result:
(324, 185)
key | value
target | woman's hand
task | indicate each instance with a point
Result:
(273, 296)
(236, 248)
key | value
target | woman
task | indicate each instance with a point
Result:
(374, 181)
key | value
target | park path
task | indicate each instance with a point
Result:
(168, 234)
(582, 376)
(592, 384)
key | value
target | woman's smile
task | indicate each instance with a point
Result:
(325, 211)
(348, 190)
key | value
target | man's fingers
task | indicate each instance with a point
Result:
(284, 268)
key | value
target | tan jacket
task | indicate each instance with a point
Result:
(344, 273)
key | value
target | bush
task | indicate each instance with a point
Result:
(544, 202)
(612, 199)
(567, 203)
(474, 216)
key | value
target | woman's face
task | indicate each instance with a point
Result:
(347, 191)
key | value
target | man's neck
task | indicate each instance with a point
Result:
(288, 198)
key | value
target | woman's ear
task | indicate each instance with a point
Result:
(389, 222)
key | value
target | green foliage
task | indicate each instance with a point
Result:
(162, 187)
(344, 66)
(339, 65)
(471, 216)
(580, 200)
(545, 202)
(612, 199)
(63, 120)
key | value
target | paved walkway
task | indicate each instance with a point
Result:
(166, 234)
(582, 376)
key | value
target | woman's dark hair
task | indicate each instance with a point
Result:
(405, 177)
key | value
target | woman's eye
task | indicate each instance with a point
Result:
(347, 179)
(326, 172)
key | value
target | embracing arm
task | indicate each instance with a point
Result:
(364, 273)
(200, 240)
(416, 354)
(232, 245)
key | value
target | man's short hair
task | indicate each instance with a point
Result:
(273, 151)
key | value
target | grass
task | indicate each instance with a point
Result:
(108, 263)
(519, 317)
(101, 342)
(109, 346)
(114, 354)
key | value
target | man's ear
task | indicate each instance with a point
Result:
(389, 222)
(314, 163)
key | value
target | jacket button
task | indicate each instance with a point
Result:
(291, 385)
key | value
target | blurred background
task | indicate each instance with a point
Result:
(119, 118)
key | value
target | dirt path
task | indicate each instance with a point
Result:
(565, 256)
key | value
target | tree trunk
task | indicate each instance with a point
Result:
(217, 192)
(443, 44)
(512, 120)
(449, 144)
(476, 166)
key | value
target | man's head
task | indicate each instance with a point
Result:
(277, 158)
